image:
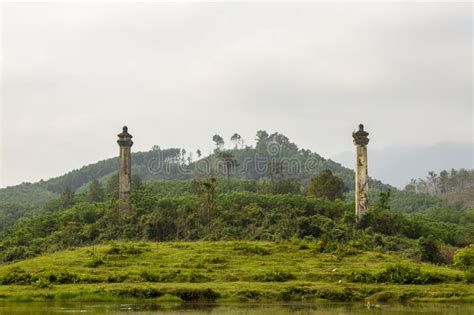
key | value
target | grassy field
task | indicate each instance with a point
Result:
(228, 272)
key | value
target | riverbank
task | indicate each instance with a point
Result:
(221, 272)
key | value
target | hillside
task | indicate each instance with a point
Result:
(253, 163)
(229, 272)
(456, 186)
(259, 234)
(182, 210)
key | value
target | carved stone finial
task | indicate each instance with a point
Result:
(125, 139)
(360, 137)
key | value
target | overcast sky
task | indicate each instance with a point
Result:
(176, 74)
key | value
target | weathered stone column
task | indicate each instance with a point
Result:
(361, 174)
(125, 171)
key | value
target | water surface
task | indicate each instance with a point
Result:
(231, 309)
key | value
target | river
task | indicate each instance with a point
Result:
(30, 308)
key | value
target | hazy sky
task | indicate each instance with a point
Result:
(176, 74)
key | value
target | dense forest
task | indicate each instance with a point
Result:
(273, 156)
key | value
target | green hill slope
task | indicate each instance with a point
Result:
(228, 271)
(158, 164)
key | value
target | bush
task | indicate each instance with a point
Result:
(469, 274)
(150, 277)
(429, 249)
(464, 258)
(124, 249)
(116, 277)
(398, 274)
(18, 276)
(196, 295)
(42, 284)
(63, 278)
(248, 249)
(95, 262)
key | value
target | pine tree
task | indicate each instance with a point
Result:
(67, 197)
(96, 193)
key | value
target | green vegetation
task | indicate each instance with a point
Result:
(229, 271)
(284, 232)
(327, 185)
(457, 186)
(212, 213)
(273, 159)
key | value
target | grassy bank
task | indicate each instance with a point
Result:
(228, 271)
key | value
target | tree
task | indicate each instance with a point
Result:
(136, 182)
(283, 186)
(384, 200)
(262, 136)
(261, 139)
(412, 186)
(443, 182)
(210, 188)
(182, 157)
(96, 193)
(219, 141)
(111, 189)
(236, 140)
(67, 197)
(429, 249)
(326, 185)
(229, 163)
(433, 182)
(275, 169)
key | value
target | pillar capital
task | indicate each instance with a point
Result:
(125, 139)
(360, 137)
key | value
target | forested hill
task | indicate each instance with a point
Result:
(457, 186)
(274, 157)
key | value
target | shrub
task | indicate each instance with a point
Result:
(464, 258)
(248, 249)
(116, 277)
(95, 262)
(398, 274)
(64, 277)
(429, 249)
(296, 293)
(469, 274)
(18, 276)
(150, 277)
(124, 249)
(195, 277)
(196, 295)
(42, 284)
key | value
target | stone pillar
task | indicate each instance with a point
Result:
(125, 171)
(361, 174)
